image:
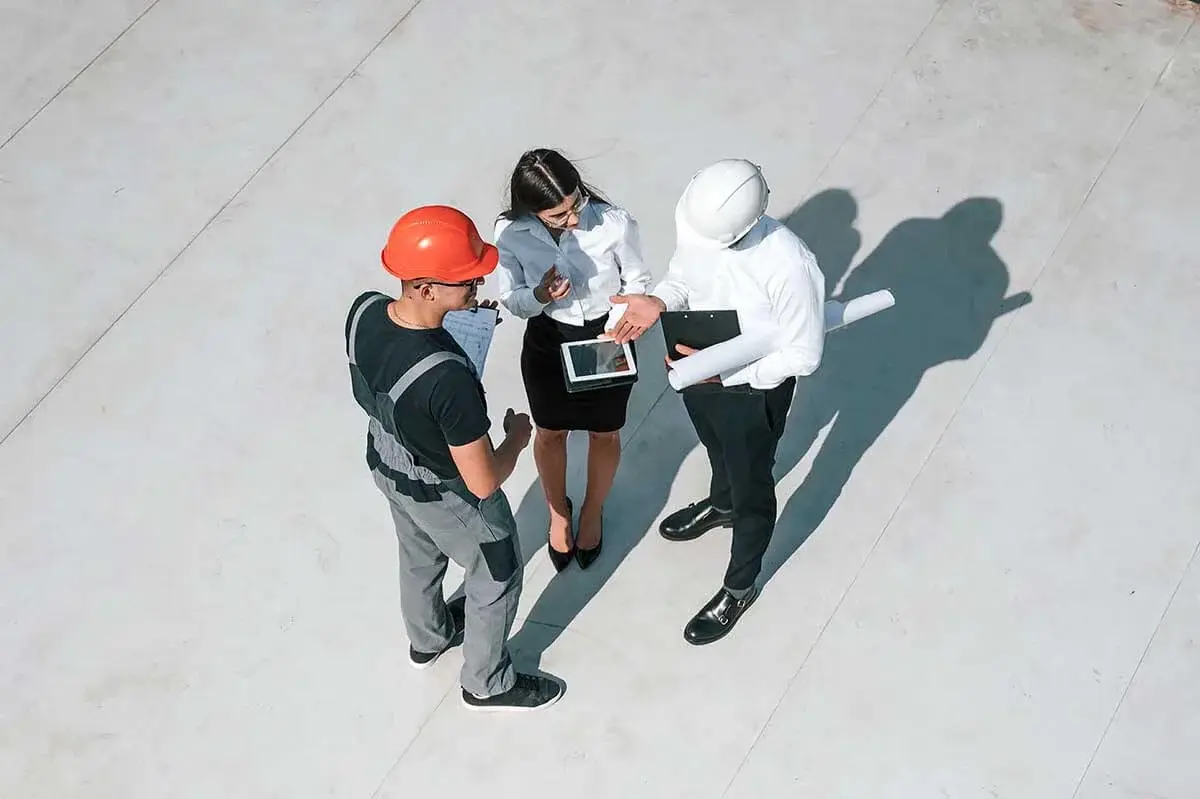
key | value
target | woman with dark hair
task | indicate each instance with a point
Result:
(564, 251)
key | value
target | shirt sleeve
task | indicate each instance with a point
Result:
(671, 289)
(457, 408)
(798, 311)
(635, 278)
(514, 294)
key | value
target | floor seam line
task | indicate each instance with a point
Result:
(208, 224)
(1087, 769)
(637, 431)
(79, 74)
(420, 729)
(875, 98)
(842, 599)
(1087, 195)
(1133, 675)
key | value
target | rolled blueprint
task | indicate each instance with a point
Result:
(732, 354)
(840, 314)
(755, 343)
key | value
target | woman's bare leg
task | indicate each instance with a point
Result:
(604, 455)
(550, 457)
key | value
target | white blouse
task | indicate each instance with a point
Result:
(601, 257)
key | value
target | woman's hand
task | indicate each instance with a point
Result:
(553, 287)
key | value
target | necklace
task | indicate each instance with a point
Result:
(395, 316)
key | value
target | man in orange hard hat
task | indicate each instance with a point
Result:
(429, 451)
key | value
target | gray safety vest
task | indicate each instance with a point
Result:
(385, 440)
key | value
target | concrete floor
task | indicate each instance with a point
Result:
(984, 582)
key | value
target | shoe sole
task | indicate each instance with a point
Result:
(429, 665)
(693, 536)
(728, 629)
(509, 708)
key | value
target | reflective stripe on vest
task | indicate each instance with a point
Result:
(354, 326)
(391, 449)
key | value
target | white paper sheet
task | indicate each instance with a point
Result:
(757, 342)
(736, 352)
(473, 331)
(614, 315)
(840, 314)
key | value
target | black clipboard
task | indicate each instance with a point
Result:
(698, 329)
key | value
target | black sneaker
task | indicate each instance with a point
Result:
(458, 611)
(530, 692)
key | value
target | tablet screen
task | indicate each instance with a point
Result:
(596, 360)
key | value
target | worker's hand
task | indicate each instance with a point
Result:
(553, 287)
(517, 427)
(641, 312)
(684, 350)
(491, 305)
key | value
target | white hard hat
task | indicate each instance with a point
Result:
(721, 203)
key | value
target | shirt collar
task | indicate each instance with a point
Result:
(588, 219)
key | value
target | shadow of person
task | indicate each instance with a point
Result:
(950, 286)
(826, 224)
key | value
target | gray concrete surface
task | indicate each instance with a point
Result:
(984, 581)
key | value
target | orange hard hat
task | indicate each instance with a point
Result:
(438, 242)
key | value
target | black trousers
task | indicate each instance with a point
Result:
(740, 428)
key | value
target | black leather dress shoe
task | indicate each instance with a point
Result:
(716, 619)
(694, 521)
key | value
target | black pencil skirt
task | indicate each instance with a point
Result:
(552, 407)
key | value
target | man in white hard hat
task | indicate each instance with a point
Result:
(731, 256)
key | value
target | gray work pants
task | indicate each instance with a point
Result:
(483, 541)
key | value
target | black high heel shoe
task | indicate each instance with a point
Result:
(562, 560)
(587, 557)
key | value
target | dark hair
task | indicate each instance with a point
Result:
(543, 178)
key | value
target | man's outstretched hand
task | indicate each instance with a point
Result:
(641, 312)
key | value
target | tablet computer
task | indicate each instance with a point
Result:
(596, 360)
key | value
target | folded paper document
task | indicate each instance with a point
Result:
(759, 341)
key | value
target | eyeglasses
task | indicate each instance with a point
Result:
(558, 220)
(462, 284)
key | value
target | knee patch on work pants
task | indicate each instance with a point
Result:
(491, 521)
(501, 558)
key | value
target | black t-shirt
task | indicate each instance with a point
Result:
(445, 407)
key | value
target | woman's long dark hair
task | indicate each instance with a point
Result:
(542, 180)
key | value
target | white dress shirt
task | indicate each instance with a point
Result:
(769, 275)
(601, 257)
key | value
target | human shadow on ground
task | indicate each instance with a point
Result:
(949, 286)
